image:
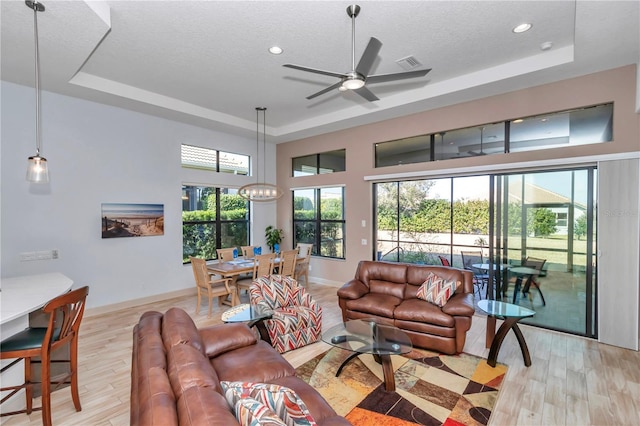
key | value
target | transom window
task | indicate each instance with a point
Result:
(317, 164)
(195, 157)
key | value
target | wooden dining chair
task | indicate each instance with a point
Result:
(214, 287)
(247, 251)
(225, 255)
(65, 314)
(288, 260)
(302, 265)
(263, 265)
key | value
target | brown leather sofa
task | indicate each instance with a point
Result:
(176, 372)
(386, 291)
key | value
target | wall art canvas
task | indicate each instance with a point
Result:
(132, 220)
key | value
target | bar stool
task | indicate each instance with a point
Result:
(65, 314)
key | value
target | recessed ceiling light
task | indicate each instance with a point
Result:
(275, 50)
(522, 28)
(519, 120)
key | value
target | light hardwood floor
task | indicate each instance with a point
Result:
(572, 381)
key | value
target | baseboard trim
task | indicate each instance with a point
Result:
(106, 309)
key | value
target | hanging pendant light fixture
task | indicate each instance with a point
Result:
(37, 171)
(261, 191)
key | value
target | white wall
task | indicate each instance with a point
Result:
(99, 154)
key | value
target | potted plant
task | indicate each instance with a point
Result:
(273, 236)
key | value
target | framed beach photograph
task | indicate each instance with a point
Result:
(132, 220)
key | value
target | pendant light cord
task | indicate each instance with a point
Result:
(37, 80)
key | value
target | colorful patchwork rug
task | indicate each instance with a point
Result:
(431, 388)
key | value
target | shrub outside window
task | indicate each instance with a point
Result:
(318, 219)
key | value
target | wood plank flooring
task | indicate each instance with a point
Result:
(572, 381)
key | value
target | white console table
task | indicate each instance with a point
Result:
(19, 297)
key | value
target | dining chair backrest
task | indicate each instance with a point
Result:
(247, 251)
(200, 274)
(471, 257)
(305, 250)
(225, 255)
(534, 263)
(66, 313)
(288, 260)
(444, 261)
(263, 265)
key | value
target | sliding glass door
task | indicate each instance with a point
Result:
(546, 219)
(513, 220)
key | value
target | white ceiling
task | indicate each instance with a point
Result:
(206, 62)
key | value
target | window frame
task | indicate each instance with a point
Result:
(318, 221)
(217, 223)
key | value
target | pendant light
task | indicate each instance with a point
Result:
(260, 191)
(37, 171)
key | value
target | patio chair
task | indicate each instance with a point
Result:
(480, 278)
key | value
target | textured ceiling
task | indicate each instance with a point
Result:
(206, 62)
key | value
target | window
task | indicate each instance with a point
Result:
(318, 219)
(317, 164)
(217, 161)
(212, 218)
(580, 126)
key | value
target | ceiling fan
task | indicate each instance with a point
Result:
(359, 77)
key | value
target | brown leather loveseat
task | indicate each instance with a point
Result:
(386, 291)
(176, 372)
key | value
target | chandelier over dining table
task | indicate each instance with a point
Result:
(260, 191)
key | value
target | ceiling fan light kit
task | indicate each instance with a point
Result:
(358, 78)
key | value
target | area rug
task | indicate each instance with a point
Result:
(431, 388)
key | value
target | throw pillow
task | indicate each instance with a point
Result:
(257, 251)
(281, 400)
(437, 290)
(250, 412)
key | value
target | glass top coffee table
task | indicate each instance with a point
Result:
(369, 337)
(253, 315)
(511, 314)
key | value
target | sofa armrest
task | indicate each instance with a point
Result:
(222, 338)
(353, 289)
(461, 304)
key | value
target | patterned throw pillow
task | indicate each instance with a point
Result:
(250, 412)
(437, 290)
(281, 400)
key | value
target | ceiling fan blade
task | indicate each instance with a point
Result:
(381, 78)
(325, 90)
(367, 94)
(316, 71)
(370, 54)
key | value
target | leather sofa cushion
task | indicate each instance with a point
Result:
(188, 368)
(222, 338)
(375, 303)
(151, 351)
(204, 406)
(157, 407)
(421, 311)
(178, 329)
(381, 271)
(417, 274)
(255, 363)
(426, 329)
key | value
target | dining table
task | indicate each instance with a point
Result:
(234, 268)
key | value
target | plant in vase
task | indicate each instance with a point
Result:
(274, 237)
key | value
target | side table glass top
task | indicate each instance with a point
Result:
(246, 313)
(504, 310)
(368, 337)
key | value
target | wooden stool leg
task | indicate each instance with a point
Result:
(29, 388)
(74, 374)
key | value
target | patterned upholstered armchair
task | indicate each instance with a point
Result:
(297, 318)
